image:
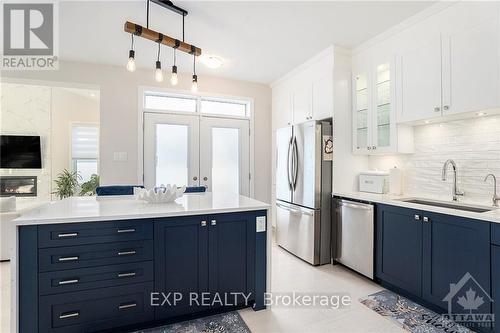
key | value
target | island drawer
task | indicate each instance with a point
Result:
(95, 310)
(70, 234)
(495, 233)
(70, 257)
(94, 277)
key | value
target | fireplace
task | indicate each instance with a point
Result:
(19, 186)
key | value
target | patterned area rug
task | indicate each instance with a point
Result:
(409, 315)
(229, 322)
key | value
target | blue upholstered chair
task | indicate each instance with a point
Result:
(116, 190)
(195, 189)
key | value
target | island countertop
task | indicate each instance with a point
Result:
(89, 209)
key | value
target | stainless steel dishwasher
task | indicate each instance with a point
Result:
(354, 226)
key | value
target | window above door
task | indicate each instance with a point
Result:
(208, 106)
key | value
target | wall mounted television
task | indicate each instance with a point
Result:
(20, 152)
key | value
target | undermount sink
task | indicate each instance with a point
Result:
(468, 208)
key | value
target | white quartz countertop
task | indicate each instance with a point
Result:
(394, 200)
(88, 209)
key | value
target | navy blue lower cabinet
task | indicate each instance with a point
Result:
(495, 280)
(399, 248)
(232, 257)
(456, 251)
(181, 264)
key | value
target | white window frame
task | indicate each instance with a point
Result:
(72, 161)
(142, 90)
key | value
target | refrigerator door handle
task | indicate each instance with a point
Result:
(288, 165)
(295, 152)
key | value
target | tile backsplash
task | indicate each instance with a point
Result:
(474, 144)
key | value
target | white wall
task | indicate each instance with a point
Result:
(474, 144)
(119, 104)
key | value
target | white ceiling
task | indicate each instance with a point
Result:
(260, 41)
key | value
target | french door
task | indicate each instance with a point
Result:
(197, 150)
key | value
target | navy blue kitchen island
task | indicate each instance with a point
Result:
(86, 265)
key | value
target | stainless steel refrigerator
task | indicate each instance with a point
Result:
(303, 190)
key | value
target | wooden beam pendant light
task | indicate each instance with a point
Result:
(135, 29)
(157, 37)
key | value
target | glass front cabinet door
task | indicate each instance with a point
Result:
(374, 121)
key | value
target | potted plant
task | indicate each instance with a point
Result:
(66, 183)
(89, 187)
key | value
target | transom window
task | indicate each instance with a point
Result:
(193, 104)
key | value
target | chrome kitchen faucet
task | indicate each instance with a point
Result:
(455, 192)
(496, 197)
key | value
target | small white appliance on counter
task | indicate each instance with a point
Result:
(374, 181)
(395, 181)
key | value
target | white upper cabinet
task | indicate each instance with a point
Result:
(419, 82)
(374, 111)
(309, 89)
(471, 67)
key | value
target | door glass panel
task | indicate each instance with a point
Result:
(172, 142)
(361, 111)
(383, 105)
(225, 160)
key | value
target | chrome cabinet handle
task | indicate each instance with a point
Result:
(205, 178)
(124, 231)
(417, 217)
(69, 314)
(213, 222)
(426, 219)
(127, 306)
(128, 274)
(374, 147)
(64, 282)
(69, 258)
(203, 223)
(68, 234)
(437, 109)
(195, 178)
(446, 107)
(369, 148)
(127, 253)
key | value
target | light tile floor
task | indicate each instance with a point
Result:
(288, 274)
(292, 274)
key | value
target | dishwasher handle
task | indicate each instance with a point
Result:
(355, 205)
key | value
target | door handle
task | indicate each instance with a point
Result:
(195, 178)
(125, 231)
(128, 274)
(127, 306)
(295, 163)
(205, 178)
(296, 211)
(62, 259)
(354, 206)
(64, 282)
(66, 235)
(69, 314)
(288, 164)
(127, 253)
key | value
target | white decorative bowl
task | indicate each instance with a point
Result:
(157, 195)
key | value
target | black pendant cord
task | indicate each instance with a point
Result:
(194, 64)
(159, 48)
(183, 27)
(175, 51)
(132, 44)
(147, 14)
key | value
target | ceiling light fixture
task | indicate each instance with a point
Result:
(194, 85)
(480, 114)
(131, 57)
(158, 72)
(173, 79)
(212, 61)
(427, 121)
(145, 32)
